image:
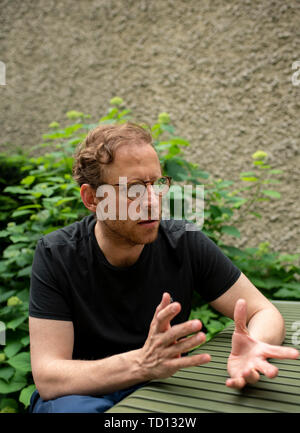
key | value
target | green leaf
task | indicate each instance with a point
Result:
(247, 173)
(234, 252)
(226, 210)
(18, 213)
(267, 282)
(13, 324)
(271, 193)
(230, 230)
(4, 296)
(8, 403)
(25, 340)
(30, 206)
(294, 285)
(276, 171)
(21, 362)
(250, 179)
(65, 200)
(256, 214)
(167, 128)
(25, 272)
(287, 294)
(28, 180)
(176, 170)
(4, 233)
(17, 382)
(19, 238)
(200, 173)
(214, 326)
(16, 190)
(6, 373)
(12, 348)
(179, 141)
(273, 181)
(26, 394)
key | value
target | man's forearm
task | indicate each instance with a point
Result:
(64, 377)
(267, 325)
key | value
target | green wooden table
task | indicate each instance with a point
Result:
(202, 389)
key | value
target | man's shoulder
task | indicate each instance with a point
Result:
(71, 233)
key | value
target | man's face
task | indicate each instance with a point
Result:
(136, 162)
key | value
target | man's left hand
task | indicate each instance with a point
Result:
(248, 357)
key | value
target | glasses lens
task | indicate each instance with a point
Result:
(161, 186)
(136, 190)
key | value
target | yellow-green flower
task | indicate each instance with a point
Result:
(116, 101)
(164, 118)
(73, 114)
(54, 125)
(13, 301)
(259, 154)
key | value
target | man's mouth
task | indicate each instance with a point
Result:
(148, 222)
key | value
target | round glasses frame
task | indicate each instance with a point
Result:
(160, 186)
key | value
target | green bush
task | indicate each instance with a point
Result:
(38, 195)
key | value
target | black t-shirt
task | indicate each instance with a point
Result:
(112, 307)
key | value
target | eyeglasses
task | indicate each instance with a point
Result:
(160, 186)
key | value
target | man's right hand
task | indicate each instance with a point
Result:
(160, 356)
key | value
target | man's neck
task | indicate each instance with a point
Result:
(117, 251)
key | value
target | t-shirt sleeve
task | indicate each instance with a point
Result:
(214, 272)
(48, 299)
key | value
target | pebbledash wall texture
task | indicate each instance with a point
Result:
(221, 68)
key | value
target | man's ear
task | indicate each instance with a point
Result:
(88, 196)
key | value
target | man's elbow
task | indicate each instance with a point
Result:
(46, 384)
(280, 328)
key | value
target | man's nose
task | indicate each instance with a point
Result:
(151, 201)
(151, 196)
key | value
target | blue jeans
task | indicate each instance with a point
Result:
(78, 403)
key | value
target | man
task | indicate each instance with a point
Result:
(102, 321)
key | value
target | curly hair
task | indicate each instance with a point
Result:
(99, 147)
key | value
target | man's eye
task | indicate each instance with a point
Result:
(135, 185)
(136, 190)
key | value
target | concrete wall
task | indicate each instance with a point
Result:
(222, 70)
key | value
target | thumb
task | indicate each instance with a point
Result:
(240, 316)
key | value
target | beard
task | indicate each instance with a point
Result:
(130, 232)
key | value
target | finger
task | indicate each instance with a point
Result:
(183, 339)
(165, 301)
(237, 382)
(251, 376)
(165, 316)
(187, 344)
(281, 352)
(190, 361)
(240, 316)
(181, 330)
(267, 369)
